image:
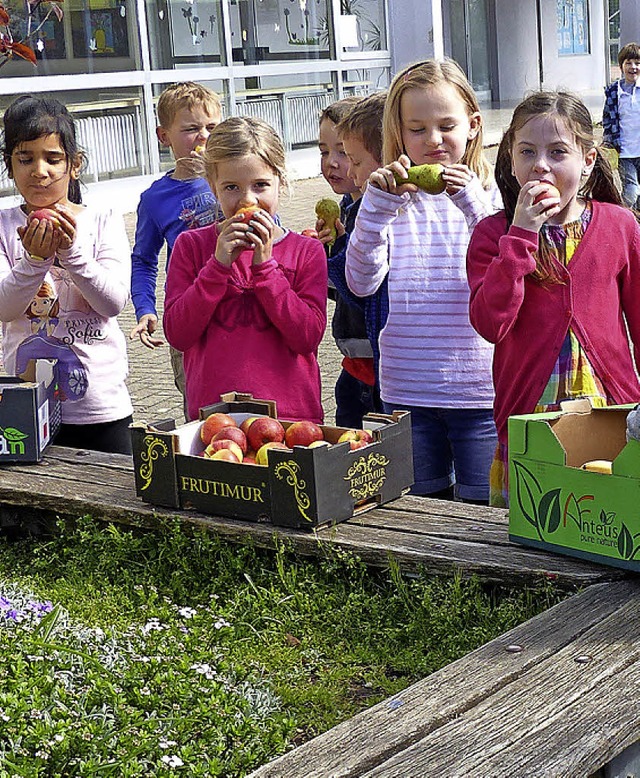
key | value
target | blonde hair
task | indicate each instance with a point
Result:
(422, 75)
(186, 94)
(240, 136)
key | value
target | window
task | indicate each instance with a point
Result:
(573, 27)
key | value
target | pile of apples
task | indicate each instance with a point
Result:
(248, 443)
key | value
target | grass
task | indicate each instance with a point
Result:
(131, 653)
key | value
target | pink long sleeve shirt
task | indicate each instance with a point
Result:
(249, 328)
(430, 355)
(89, 283)
(528, 321)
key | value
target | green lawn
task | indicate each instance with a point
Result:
(132, 653)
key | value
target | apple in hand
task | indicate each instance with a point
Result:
(223, 445)
(45, 214)
(302, 433)
(213, 424)
(247, 213)
(550, 191)
(264, 430)
(261, 456)
(233, 433)
(356, 438)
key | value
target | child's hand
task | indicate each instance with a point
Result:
(385, 177)
(261, 234)
(43, 237)
(67, 226)
(325, 234)
(456, 178)
(531, 215)
(144, 329)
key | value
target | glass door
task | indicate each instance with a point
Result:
(469, 35)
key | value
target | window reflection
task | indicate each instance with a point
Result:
(185, 32)
(362, 25)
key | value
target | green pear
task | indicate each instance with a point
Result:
(328, 210)
(425, 177)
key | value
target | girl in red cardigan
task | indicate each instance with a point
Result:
(246, 299)
(555, 277)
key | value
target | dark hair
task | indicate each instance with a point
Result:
(364, 122)
(630, 51)
(574, 113)
(29, 118)
(337, 111)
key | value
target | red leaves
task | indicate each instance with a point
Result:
(4, 16)
(12, 49)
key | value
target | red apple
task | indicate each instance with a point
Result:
(302, 433)
(247, 213)
(264, 430)
(247, 423)
(235, 434)
(310, 233)
(222, 445)
(46, 214)
(261, 456)
(213, 424)
(550, 191)
(249, 461)
(225, 455)
(356, 438)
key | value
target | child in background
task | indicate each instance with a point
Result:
(621, 121)
(361, 134)
(63, 282)
(354, 390)
(181, 199)
(432, 363)
(554, 278)
(246, 302)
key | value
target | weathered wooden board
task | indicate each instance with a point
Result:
(533, 712)
(440, 537)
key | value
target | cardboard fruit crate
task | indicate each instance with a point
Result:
(29, 418)
(300, 487)
(556, 504)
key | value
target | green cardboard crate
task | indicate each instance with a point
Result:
(555, 504)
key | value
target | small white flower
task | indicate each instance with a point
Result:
(59, 737)
(187, 613)
(220, 623)
(164, 743)
(204, 669)
(3, 715)
(172, 761)
(145, 691)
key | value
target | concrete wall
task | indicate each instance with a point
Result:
(517, 42)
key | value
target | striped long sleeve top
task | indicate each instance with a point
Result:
(430, 355)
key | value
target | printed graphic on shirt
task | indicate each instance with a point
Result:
(199, 210)
(43, 313)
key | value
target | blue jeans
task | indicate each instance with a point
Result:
(629, 168)
(451, 446)
(354, 399)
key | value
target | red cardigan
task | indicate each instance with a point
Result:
(245, 328)
(528, 322)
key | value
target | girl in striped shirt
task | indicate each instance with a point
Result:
(432, 362)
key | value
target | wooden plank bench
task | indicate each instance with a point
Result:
(556, 696)
(441, 537)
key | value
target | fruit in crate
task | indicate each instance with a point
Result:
(262, 456)
(263, 430)
(244, 426)
(329, 211)
(247, 213)
(225, 455)
(319, 443)
(45, 214)
(235, 434)
(356, 438)
(302, 433)
(550, 191)
(425, 177)
(223, 445)
(213, 424)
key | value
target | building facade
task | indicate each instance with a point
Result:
(282, 60)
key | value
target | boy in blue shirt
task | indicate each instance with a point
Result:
(180, 200)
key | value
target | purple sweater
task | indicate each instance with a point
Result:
(245, 328)
(528, 321)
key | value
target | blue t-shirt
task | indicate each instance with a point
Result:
(166, 208)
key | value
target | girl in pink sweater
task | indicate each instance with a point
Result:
(63, 282)
(432, 362)
(246, 299)
(554, 277)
